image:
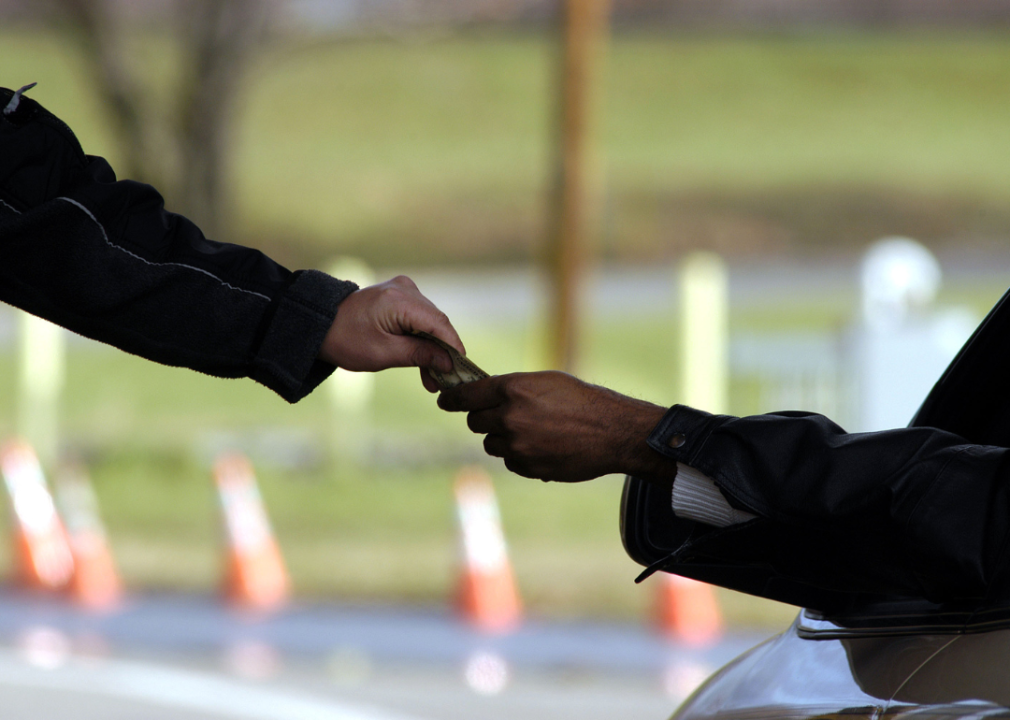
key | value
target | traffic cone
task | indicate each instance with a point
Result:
(95, 584)
(687, 610)
(255, 575)
(487, 596)
(42, 552)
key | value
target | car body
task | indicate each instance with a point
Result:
(818, 669)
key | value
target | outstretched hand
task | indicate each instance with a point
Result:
(553, 426)
(372, 329)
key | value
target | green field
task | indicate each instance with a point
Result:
(424, 151)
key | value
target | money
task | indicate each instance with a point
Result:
(463, 371)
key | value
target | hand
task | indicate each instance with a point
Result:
(372, 331)
(553, 426)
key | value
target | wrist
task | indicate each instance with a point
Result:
(634, 455)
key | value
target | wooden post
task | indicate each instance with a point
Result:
(584, 30)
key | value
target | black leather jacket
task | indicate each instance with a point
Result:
(105, 259)
(849, 521)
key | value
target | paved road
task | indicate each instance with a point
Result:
(186, 657)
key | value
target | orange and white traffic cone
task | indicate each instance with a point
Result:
(487, 596)
(42, 551)
(95, 584)
(687, 610)
(255, 575)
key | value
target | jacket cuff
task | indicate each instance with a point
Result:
(287, 360)
(681, 436)
(682, 433)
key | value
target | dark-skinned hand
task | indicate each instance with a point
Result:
(553, 426)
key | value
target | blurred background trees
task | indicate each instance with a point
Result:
(176, 138)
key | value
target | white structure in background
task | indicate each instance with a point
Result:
(41, 372)
(793, 371)
(902, 344)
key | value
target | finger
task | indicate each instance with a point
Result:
(426, 354)
(480, 395)
(428, 381)
(519, 468)
(485, 421)
(422, 316)
(496, 446)
(441, 328)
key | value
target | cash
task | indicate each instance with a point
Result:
(463, 371)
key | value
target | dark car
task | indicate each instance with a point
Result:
(862, 654)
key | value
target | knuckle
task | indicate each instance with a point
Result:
(510, 387)
(394, 286)
(509, 420)
(521, 387)
(419, 356)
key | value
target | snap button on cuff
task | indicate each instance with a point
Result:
(677, 441)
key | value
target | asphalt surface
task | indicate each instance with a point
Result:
(191, 658)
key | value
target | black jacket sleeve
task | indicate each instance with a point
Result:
(104, 258)
(913, 512)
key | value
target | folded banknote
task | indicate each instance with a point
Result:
(463, 371)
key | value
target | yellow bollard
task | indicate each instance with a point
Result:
(41, 374)
(687, 609)
(350, 393)
(704, 339)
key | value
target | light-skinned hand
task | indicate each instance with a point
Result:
(372, 329)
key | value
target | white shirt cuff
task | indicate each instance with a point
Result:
(697, 497)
